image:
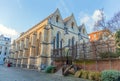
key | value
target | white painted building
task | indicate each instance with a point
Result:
(4, 48)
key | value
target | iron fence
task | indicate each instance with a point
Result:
(96, 50)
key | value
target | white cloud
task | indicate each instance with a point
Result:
(7, 31)
(89, 20)
(85, 19)
(97, 15)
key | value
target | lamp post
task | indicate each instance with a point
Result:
(67, 52)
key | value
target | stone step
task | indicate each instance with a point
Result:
(59, 72)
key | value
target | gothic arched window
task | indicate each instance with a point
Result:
(57, 18)
(54, 43)
(57, 40)
(39, 42)
(69, 42)
(72, 25)
(73, 39)
(61, 42)
(83, 31)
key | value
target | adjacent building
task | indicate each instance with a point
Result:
(46, 40)
(99, 35)
(102, 41)
(4, 48)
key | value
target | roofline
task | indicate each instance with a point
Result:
(41, 21)
(98, 31)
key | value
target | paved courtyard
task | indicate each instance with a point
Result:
(18, 74)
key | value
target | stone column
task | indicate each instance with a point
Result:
(16, 57)
(49, 47)
(21, 58)
(30, 50)
(28, 62)
(40, 47)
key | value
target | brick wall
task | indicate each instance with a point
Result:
(101, 65)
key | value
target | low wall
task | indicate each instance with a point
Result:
(101, 65)
(93, 65)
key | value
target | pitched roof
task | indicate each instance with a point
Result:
(67, 19)
(44, 19)
(80, 27)
(40, 22)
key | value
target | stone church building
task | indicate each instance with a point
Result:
(35, 46)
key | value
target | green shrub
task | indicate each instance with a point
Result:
(85, 74)
(78, 73)
(110, 75)
(50, 69)
(81, 73)
(103, 55)
(91, 76)
(97, 76)
(94, 76)
(118, 51)
(109, 54)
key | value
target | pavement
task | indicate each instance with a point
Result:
(20, 74)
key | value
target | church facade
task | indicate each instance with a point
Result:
(35, 46)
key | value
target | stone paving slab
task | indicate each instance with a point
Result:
(18, 74)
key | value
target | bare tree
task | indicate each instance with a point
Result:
(113, 24)
(100, 24)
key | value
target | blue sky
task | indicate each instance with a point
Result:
(17, 16)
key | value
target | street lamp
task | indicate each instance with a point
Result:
(67, 50)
